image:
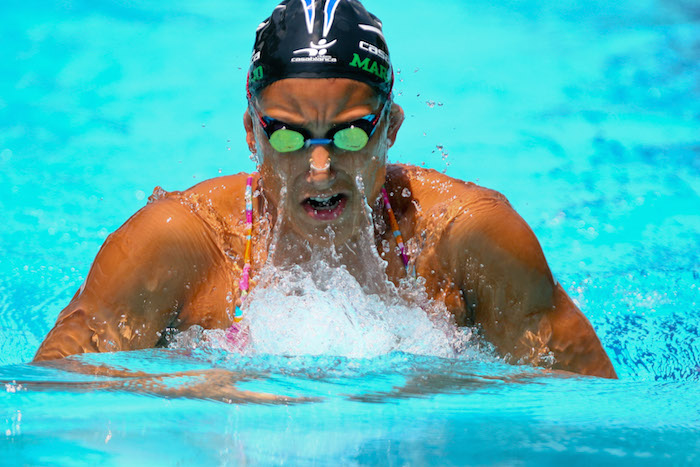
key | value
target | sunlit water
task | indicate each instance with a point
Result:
(584, 114)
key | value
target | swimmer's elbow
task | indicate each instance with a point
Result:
(51, 353)
(70, 336)
(573, 341)
(59, 347)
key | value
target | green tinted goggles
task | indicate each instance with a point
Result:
(350, 136)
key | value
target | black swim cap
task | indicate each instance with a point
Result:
(320, 39)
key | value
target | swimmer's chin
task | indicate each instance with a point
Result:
(326, 234)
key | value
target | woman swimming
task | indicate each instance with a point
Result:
(320, 122)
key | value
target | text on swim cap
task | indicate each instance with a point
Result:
(370, 66)
(256, 74)
(373, 49)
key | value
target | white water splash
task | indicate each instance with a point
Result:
(327, 312)
(317, 306)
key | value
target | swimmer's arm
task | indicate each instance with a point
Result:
(506, 281)
(139, 280)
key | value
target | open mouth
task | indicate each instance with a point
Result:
(325, 208)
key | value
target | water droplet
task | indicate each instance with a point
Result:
(406, 193)
(386, 246)
(158, 193)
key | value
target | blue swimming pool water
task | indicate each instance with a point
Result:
(586, 115)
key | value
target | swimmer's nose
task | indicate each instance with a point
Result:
(321, 174)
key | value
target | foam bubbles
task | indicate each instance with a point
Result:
(298, 314)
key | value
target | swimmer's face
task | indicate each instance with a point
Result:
(315, 188)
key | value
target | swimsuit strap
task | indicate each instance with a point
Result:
(244, 283)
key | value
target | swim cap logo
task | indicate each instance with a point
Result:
(317, 52)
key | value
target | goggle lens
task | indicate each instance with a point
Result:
(348, 139)
(351, 139)
(285, 140)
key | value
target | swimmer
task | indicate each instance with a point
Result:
(320, 121)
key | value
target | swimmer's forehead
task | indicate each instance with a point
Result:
(303, 100)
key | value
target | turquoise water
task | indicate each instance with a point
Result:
(586, 115)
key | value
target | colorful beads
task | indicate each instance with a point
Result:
(395, 228)
(238, 316)
(244, 282)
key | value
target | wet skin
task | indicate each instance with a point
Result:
(177, 261)
(321, 171)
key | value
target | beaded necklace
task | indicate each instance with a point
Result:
(244, 283)
(395, 228)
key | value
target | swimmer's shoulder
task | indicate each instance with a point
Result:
(217, 202)
(226, 194)
(478, 219)
(430, 188)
